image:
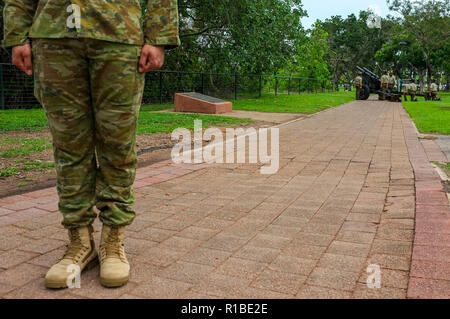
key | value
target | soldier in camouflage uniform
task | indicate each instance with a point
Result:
(392, 81)
(433, 91)
(358, 85)
(384, 85)
(411, 89)
(89, 60)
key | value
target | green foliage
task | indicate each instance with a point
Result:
(309, 59)
(37, 165)
(8, 171)
(295, 103)
(243, 36)
(426, 24)
(350, 43)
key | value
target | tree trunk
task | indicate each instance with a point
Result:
(421, 80)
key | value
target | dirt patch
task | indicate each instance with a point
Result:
(152, 149)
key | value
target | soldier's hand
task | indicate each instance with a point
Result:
(21, 58)
(152, 58)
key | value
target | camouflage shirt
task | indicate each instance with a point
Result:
(358, 81)
(110, 20)
(411, 87)
(434, 87)
(384, 79)
(392, 80)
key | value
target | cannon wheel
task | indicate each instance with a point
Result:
(365, 92)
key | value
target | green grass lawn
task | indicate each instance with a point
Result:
(431, 117)
(295, 103)
(149, 121)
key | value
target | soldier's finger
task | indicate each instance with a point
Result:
(18, 61)
(28, 64)
(143, 61)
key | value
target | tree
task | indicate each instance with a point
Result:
(351, 42)
(309, 58)
(245, 36)
(428, 22)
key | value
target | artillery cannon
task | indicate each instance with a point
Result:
(372, 84)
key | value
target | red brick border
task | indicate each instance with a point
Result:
(430, 267)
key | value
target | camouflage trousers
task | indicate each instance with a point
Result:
(358, 93)
(91, 92)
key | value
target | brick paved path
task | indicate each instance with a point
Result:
(343, 199)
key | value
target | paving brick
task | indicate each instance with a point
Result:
(342, 262)
(197, 233)
(391, 247)
(296, 249)
(205, 256)
(313, 292)
(263, 255)
(420, 288)
(173, 224)
(224, 286)
(225, 243)
(390, 261)
(154, 234)
(14, 257)
(269, 241)
(363, 292)
(241, 268)
(10, 242)
(214, 223)
(349, 249)
(431, 269)
(161, 288)
(431, 253)
(332, 278)
(22, 274)
(390, 278)
(36, 290)
(293, 265)
(355, 237)
(42, 246)
(160, 256)
(180, 244)
(314, 239)
(279, 282)
(186, 272)
(358, 226)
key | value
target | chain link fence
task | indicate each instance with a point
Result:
(16, 89)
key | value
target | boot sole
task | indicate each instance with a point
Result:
(91, 263)
(114, 283)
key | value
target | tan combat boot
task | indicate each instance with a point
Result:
(80, 252)
(114, 266)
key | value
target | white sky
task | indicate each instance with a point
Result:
(322, 9)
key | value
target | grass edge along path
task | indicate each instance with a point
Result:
(430, 117)
(295, 103)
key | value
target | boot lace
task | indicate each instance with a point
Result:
(113, 248)
(75, 249)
